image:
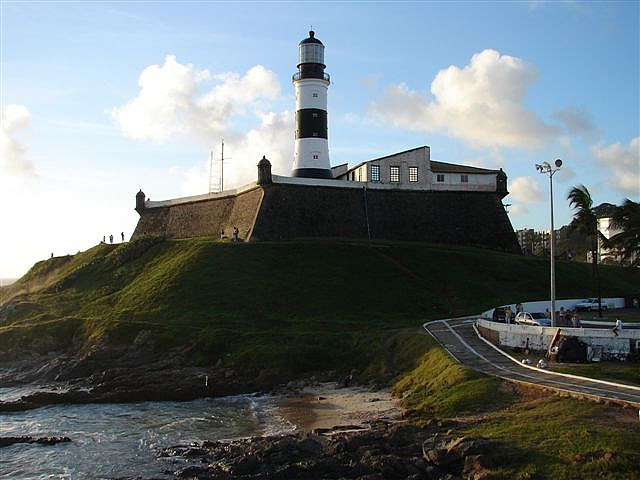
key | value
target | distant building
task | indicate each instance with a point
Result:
(526, 239)
(604, 213)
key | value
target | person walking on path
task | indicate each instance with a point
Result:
(111, 238)
(617, 327)
(122, 235)
(235, 234)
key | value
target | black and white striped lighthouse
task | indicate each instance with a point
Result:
(311, 157)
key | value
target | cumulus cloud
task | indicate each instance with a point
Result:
(12, 153)
(481, 104)
(525, 190)
(180, 100)
(623, 161)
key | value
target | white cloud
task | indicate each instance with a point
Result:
(481, 104)
(518, 209)
(171, 101)
(12, 153)
(177, 100)
(624, 163)
(525, 190)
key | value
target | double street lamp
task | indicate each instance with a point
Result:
(545, 167)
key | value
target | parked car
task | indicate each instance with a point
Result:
(537, 319)
(589, 304)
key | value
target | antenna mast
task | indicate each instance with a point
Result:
(211, 171)
(222, 168)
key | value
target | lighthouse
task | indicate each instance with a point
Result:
(311, 155)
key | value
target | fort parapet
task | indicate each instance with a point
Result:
(285, 208)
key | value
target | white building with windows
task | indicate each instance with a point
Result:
(414, 170)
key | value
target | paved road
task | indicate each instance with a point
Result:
(461, 340)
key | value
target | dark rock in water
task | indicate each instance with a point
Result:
(386, 452)
(6, 441)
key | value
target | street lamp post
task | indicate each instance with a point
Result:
(548, 169)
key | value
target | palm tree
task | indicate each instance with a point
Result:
(586, 221)
(626, 218)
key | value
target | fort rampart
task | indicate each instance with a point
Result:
(284, 211)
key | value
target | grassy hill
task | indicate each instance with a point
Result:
(301, 305)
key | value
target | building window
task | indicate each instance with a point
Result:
(315, 95)
(413, 174)
(315, 156)
(394, 174)
(375, 173)
(315, 134)
(440, 178)
(315, 115)
(464, 178)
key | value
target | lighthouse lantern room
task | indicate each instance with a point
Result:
(311, 156)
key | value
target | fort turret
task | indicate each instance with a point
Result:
(311, 156)
(140, 199)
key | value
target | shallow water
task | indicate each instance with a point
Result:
(120, 440)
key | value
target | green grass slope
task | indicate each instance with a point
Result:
(301, 305)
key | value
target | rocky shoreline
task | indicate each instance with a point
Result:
(398, 450)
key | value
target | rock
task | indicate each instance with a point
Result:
(193, 471)
(6, 441)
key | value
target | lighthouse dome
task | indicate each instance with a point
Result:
(311, 38)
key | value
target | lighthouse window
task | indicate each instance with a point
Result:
(394, 174)
(315, 95)
(413, 174)
(315, 134)
(315, 156)
(375, 173)
(315, 115)
(311, 53)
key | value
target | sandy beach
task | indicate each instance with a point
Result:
(326, 405)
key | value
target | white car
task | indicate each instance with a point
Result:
(589, 304)
(536, 319)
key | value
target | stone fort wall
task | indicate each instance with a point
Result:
(285, 211)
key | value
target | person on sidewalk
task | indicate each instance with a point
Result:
(618, 326)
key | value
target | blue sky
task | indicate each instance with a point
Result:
(101, 99)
